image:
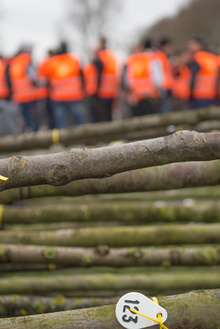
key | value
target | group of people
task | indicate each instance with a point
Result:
(152, 80)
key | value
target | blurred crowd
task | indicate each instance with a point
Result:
(60, 91)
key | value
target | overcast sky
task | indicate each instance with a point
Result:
(39, 21)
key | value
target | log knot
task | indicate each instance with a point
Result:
(58, 175)
(102, 250)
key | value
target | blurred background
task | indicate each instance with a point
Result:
(44, 23)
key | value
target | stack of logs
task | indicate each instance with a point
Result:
(81, 227)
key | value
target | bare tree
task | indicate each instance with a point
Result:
(92, 18)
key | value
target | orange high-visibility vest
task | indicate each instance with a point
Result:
(43, 71)
(181, 86)
(218, 86)
(167, 70)
(65, 79)
(206, 78)
(91, 78)
(109, 85)
(4, 90)
(23, 89)
(139, 76)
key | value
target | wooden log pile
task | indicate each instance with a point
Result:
(80, 228)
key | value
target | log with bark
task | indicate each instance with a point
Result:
(145, 127)
(153, 281)
(118, 236)
(108, 212)
(62, 168)
(193, 310)
(172, 176)
(105, 256)
(18, 305)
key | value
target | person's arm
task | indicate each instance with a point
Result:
(194, 68)
(124, 82)
(100, 67)
(157, 75)
(31, 72)
(8, 80)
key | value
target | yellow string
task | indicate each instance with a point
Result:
(55, 136)
(3, 178)
(159, 320)
(1, 213)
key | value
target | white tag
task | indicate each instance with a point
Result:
(141, 303)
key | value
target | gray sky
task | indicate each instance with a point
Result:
(39, 21)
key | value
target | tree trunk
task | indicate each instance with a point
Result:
(195, 310)
(17, 305)
(172, 176)
(123, 212)
(152, 281)
(118, 236)
(62, 168)
(91, 134)
(104, 256)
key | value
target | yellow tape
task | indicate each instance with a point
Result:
(55, 136)
(1, 213)
(159, 320)
(3, 178)
(52, 267)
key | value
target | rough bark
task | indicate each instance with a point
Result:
(143, 127)
(108, 212)
(172, 176)
(152, 281)
(18, 305)
(197, 309)
(62, 168)
(105, 256)
(118, 236)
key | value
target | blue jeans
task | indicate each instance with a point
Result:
(63, 108)
(200, 103)
(27, 111)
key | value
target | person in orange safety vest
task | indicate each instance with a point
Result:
(182, 78)
(23, 84)
(66, 87)
(142, 78)
(44, 88)
(204, 70)
(162, 55)
(107, 89)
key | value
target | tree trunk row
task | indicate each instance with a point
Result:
(76, 164)
(122, 212)
(152, 281)
(192, 311)
(118, 236)
(18, 305)
(168, 177)
(150, 126)
(105, 256)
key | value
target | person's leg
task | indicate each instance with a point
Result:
(200, 103)
(28, 115)
(76, 109)
(59, 110)
(106, 108)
